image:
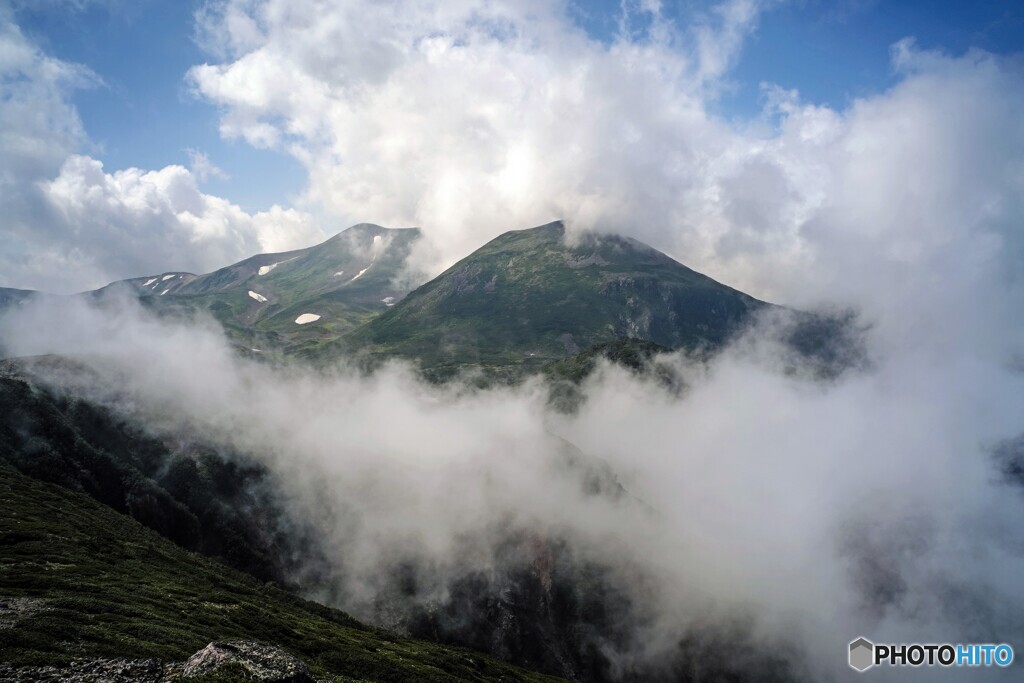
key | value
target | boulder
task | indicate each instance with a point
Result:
(263, 662)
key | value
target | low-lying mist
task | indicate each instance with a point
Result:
(760, 517)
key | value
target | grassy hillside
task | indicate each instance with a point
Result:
(523, 300)
(634, 354)
(80, 580)
(346, 281)
(527, 298)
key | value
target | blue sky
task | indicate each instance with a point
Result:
(833, 52)
(145, 116)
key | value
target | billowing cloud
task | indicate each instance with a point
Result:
(153, 220)
(472, 118)
(869, 504)
(908, 203)
(69, 225)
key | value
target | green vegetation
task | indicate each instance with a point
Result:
(634, 354)
(521, 302)
(565, 377)
(89, 582)
(321, 280)
(527, 298)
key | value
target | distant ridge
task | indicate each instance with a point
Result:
(524, 300)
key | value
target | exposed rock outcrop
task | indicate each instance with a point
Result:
(91, 671)
(253, 661)
(263, 662)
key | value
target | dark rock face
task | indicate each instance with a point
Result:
(262, 662)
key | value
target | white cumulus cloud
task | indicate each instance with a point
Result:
(472, 118)
(70, 225)
(155, 220)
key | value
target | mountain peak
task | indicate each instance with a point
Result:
(372, 229)
(529, 296)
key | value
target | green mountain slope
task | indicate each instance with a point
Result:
(279, 302)
(80, 580)
(524, 300)
(527, 298)
(266, 299)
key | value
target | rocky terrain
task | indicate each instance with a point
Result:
(240, 659)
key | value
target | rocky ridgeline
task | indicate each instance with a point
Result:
(252, 661)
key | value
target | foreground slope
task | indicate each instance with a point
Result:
(80, 580)
(528, 297)
(209, 498)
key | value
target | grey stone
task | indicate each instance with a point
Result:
(263, 662)
(90, 671)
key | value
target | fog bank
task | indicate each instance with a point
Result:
(810, 511)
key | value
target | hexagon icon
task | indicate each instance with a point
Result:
(862, 654)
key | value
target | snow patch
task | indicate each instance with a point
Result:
(167, 277)
(148, 282)
(259, 297)
(374, 250)
(266, 269)
(339, 273)
(307, 318)
(389, 301)
(165, 291)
